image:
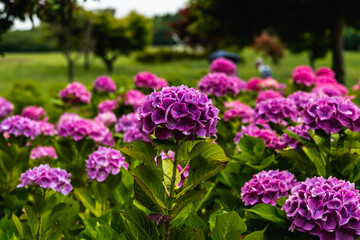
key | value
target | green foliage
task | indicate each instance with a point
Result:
(226, 226)
(168, 54)
(161, 32)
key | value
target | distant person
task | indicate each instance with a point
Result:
(264, 69)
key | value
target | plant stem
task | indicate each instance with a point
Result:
(171, 197)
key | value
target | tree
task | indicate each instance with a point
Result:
(270, 46)
(161, 29)
(114, 37)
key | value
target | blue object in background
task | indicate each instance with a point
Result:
(222, 53)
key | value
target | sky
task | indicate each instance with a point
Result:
(148, 8)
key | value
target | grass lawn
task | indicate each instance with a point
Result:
(49, 69)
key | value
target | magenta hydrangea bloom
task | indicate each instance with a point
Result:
(301, 130)
(104, 84)
(268, 94)
(220, 84)
(270, 138)
(267, 187)
(107, 106)
(270, 83)
(356, 87)
(253, 84)
(149, 80)
(46, 129)
(104, 161)
(179, 112)
(127, 121)
(238, 110)
(328, 208)
(33, 112)
(324, 71)
(55, 178)
(325, 80)
(132, 134)
(107, 118)
(75, 93)
(6, 107)
(134, 98)
(43, 152)
(276, 110)
(223, 65)
(301, 99)
(17, 125)
(304, 75)
(330, 90)
(331, 114)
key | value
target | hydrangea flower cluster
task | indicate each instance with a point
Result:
(127, 124)
(325, 80)
(149, 80)
(55, 178)
(107, 106)
(220, 84)
(223, 65)
(134, 98)
(107, 118)
(267, 187)
(46, 128)
(328, 208)
(330, 90)
(33, 112)
(356, 87)
(304, 75)
(257, 84)
(301, 99)
(324, 71)
(184, 173)
(301, 130)
(104, 84)
(17, 125)
(268, 94)
(75, 93)
(178, 111)
(6, 107)
(276, 110)
(104, 161)
(331, 114)
(270, 138)
(43, 152)
(238, 110)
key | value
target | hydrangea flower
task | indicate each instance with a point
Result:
(178, 111)
(330, 90)
(107, 106)
(104, 161)
(304, 75)
(356, 87)
(6, 107)
(43, 152)
(328, 208)
(33, 112)
(17, 125)
(75, 93)
(267, 94)
(325, 80)
(104, 84)
(324, 71)
(46, 128)
(149, 80)
(301, 130)
(55, 178)
(301, 99)
(331, 114)
(127, 121)
(267, 187)
(134, 98)
(220, 84)
(270, 138)
(223, 65)
(257, 84)
(238, 110)
(107, 118)
(276, 110)
(132, 134)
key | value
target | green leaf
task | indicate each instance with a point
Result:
(105, 232)
(138, 226)
(33, 221)
(267, 212)
(247, 143)
(141, 150)
(8, 229)
(144, 199)
(228, 226)
(168, 166)
(85, 198)
(300, 159)
(299, 138)
(163, 145)
(54, 215)
(184, 151)
(186, 234)
(150, 183)
(187, 198)
(257, 235)
(18, 225)
(317, 159)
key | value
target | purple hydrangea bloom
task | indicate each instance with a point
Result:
(276, 110)
(17, 125)
(43, 152)
(267, 94)
(304, 75)
(301, 99)
(33, 112)
(270, 138)
(220, 84)
(324, 71)
(331, 114)
(238, 110)
(46, 129)
(107, 106)
(178, 111)
(104, 84)
(330, 90)
(107, 118)
(6, 107)
(301, 130)
(149, 80)
(75, 93)
(104, 161)
(223, 65)
(267, 187)
(132, 134)
(127, 121)
(328, 208)
(46, 177)
(134, 98)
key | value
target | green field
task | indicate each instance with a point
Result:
(49, 69)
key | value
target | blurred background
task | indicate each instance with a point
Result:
(47, 43)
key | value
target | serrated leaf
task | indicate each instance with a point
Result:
(184, 151)
(257, 235)
(317, 159)
(168, 166)
(33, 221)
(228, 226)
(268, 212)
(187, 198)
(54, 215)
(141, 150)
(144, 199)
(18, 225)
(186, 234)
(85, 198)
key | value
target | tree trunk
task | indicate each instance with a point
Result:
(87, 60)
(337, 49)
(109, 66)
(70, 70)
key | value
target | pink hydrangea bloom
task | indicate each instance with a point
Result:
(330, 90)
(223, 65)
(356, 87)
(270, 83)
(17, 126)
(43, 152)
(33, 112)
(134, 98)
(149, 80)
(108, 118)
(46, 129)
(107, 106)
(75, 93)
(268, 94)
(220, 84)
(238, 110)
(6, 107)
(304, 75)
(104, 84)
(276, 110)
(325, 71)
